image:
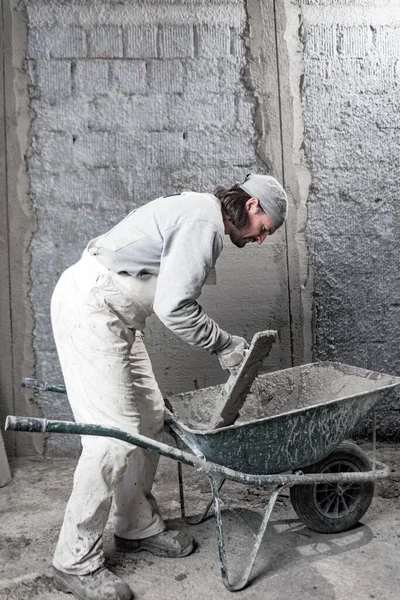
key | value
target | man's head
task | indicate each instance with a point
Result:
(254, 209)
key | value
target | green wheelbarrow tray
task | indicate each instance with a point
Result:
(291, 419)
(290, 434)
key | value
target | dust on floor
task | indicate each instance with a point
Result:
(293, 562)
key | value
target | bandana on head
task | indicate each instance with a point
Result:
(270, 194)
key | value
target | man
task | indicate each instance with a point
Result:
(155, 260)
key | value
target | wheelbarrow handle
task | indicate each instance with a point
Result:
(25, 424)
(43, 386)
(35, 425)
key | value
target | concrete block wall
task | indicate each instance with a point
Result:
(351, 107)
(129, 101)
(133, 99)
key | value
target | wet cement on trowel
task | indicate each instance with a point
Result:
(234, 392)
(282, 392)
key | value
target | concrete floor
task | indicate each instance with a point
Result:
(361, 564)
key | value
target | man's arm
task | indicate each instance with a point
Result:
(189, 252)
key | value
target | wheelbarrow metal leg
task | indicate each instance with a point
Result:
(179, 437)
(181, 493)
(220, 536)
(195, 520)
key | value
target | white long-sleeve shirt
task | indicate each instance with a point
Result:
(178, 239)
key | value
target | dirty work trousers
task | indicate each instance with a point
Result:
(96, 318)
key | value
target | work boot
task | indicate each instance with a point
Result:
(168, 543)
(99, 585)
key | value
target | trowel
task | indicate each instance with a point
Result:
(236, 389)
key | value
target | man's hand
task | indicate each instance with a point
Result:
(231, 357)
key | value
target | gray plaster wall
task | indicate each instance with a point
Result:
(133, 100)
(109, 104)
(350, 97)
(17, 225)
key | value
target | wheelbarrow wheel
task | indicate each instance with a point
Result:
(334, 507)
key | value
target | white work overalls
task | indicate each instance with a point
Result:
(97, 318)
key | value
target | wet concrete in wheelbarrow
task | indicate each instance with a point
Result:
(293, 562)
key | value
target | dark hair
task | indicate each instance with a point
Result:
(233, 201)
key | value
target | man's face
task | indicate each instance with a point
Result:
(259, 225)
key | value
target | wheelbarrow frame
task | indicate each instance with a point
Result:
(215, 473)
(289, 475)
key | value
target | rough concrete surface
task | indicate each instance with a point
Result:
(131, 101)
(5, 475)
(293, 562)
(17, 224)
(350, 100)
(109, 104)
(127, 101)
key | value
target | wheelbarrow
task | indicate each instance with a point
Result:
(291, 433)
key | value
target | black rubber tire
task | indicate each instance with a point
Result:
(329, 507)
